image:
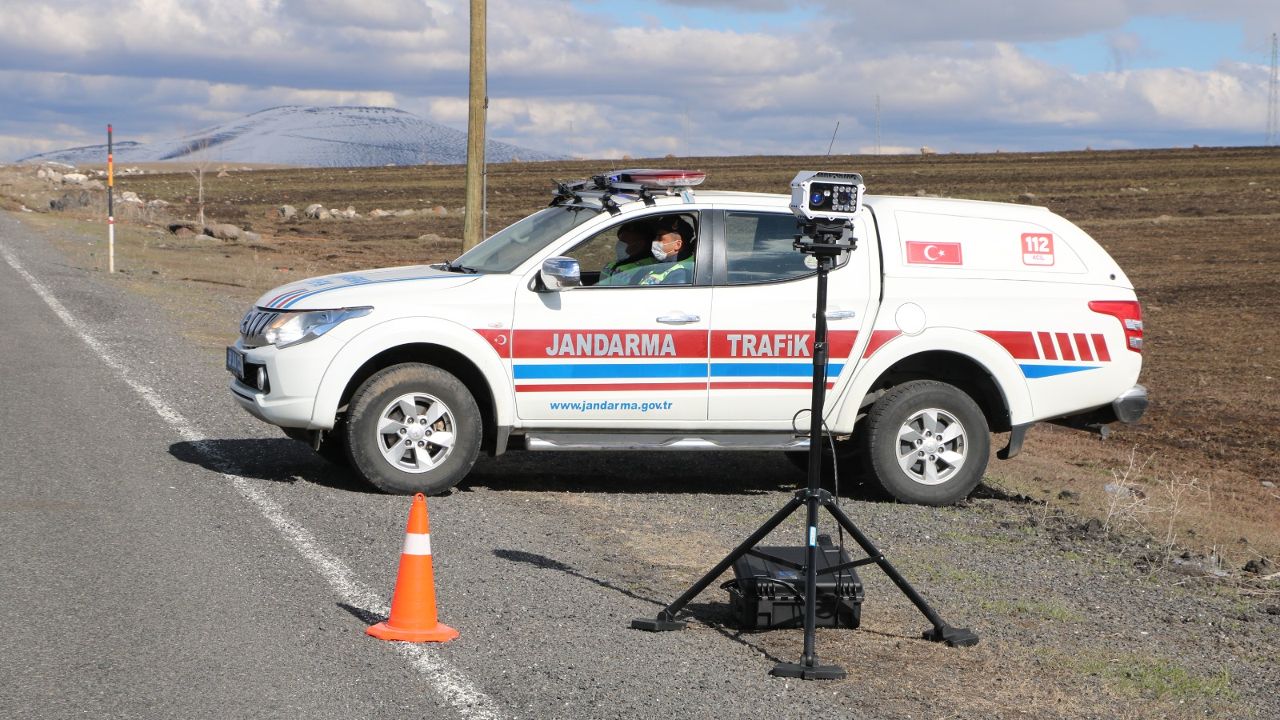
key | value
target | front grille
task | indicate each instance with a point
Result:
(255, 322)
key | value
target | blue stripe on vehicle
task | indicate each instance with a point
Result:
(1041, 371)
(770, 369)
(610, 370)
(317, 291)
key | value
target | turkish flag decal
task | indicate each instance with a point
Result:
(934, 253)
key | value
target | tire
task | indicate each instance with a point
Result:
(377, 432)
(926, 443)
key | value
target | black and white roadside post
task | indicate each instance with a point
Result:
(825, 205)
(111, 215)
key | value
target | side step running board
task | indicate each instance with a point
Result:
(663, 441)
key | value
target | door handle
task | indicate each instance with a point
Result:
(839, 314)
(678, 318)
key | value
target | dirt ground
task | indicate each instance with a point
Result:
(1197, 230)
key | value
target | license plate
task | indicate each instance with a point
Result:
(235, 363)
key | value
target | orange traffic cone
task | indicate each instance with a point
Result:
(413, 607)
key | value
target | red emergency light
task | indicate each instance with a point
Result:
(658, 178)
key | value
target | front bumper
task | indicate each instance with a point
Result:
(293, 383)
(285, 412)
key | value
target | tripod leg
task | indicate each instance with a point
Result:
(808, 668)
(666, 619)
(941, 631)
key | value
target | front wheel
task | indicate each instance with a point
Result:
(413, 428)
(927, 442)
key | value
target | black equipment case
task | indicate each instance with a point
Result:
(768, 592)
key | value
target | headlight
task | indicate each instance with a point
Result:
(292, 328)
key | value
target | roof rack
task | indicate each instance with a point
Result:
(628, 185)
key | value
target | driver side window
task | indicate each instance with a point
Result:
(594, 253)
(623, 255)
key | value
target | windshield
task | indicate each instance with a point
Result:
(506, 249)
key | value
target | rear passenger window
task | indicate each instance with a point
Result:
(759, 248)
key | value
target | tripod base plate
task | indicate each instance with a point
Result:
(808, 672)
(953, 637)
(657, 624)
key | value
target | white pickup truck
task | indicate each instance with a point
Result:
(951, 320)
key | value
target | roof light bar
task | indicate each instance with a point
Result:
(656, 178)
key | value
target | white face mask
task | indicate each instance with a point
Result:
(620, 251)
(659, 252)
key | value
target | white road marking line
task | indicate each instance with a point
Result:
(448, 681)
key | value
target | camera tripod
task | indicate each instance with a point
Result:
(823, 241)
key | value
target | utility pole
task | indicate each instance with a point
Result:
(473, 225)
(1273, 109)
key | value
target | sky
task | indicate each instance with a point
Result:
(613, 78)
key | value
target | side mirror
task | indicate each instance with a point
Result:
(561, 273)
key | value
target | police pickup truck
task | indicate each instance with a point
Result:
(951, 320)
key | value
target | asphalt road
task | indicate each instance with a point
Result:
(166, 555)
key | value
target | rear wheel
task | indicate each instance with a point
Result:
(927, 442)
(413, 428)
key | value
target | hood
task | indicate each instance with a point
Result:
(364, 287)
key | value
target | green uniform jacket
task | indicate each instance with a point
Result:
(676, 273)
(625, 272)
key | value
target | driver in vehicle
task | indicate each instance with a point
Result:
(659, 252)
(633, 252)
(673, 249)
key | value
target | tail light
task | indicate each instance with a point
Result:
(1129, 313)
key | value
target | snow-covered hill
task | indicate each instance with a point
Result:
(309, 136)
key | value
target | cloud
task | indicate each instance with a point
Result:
(1124, 47)
(740, 5)
(949, 74)
(239, 41)
(984, 20)
(370, 14)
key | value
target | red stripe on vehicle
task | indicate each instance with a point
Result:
(734, 385)
(736, 344)
(879, 338)
(1064, 345)
(609, 343)
(1046, 343)
(1020, 344)
(1082, 347)
(285, 297)
(1100, 347)
(499, 340)
(583, 387)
